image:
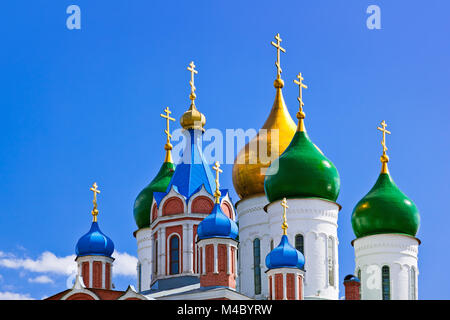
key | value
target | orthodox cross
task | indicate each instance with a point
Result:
(383, 142)
(94, 210)
(284, 226)
(191, 68)
(301, 85)
(279, 48)
(168, 118)
(217, 193)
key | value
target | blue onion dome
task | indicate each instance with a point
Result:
(217, 225)
(351, 278)
(94, 243)
(285, 256)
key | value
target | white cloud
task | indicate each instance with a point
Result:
(41, 279)
(48, 262)
(125, 264)
(14, 296)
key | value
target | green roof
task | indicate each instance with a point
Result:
(385, 209)
(303, 172)
(143, 202)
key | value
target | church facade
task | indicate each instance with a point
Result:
(279, 241)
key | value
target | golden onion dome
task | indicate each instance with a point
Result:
(248, 169)
(193, 119)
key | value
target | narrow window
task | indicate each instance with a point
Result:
(299, 243)
(330, 262)
(386, 283)
(155, 258)
(360, 281)
(256, 265)
(413, 284)
(271, 245)
(174, 255)
(139, 276)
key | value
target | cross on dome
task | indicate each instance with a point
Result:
(279, 48)
(284, 226)
(95, 191)
(191, 68)
(384, 158)
(168, 146)
(217, 193)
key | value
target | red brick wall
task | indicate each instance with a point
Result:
(202, 204)
(154, 212)
(173, 206)
(85, 274)
(80, 296)
(300, 287)
(290, 286)
(270, 288)
(278, 286)
(107, 275)
(170, 231)
(226, 208)
(97, 274)
(352, 290)
(221, 278)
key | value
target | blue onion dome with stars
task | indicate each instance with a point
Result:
(285, 255)
(95, 242)
(217, 224)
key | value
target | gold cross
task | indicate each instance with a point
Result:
(169, 118)
(217, 193)
(301, 85)
(191, 68)
(278, 46)
(284, 226)
(383, 142)
(94, 210)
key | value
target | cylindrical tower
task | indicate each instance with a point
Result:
(311, 183)
(385, 223)
(249, 169)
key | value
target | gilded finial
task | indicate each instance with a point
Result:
(278, 82)
(94, 210)
(300, 113)
(384, 158)
(168, 145)
(217, 193)
(284, 225)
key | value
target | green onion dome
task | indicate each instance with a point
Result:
(303, 172)
(385, 209)
(143, 202)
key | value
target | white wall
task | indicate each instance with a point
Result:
(399, 252)
(316, 220)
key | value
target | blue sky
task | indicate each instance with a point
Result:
(79, 106)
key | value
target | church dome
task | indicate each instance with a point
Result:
(217, 225)
(285, 256)
(302, 171)
(143, 202)
(248, 169)
(94, 243)
(385, 209)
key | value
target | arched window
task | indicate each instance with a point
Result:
(330, 253)
(256, 265)
(360, 281)
(139, 274)
(386, 283)
(155, 258)
(299, 243)
(174, 255)
(413, 284)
